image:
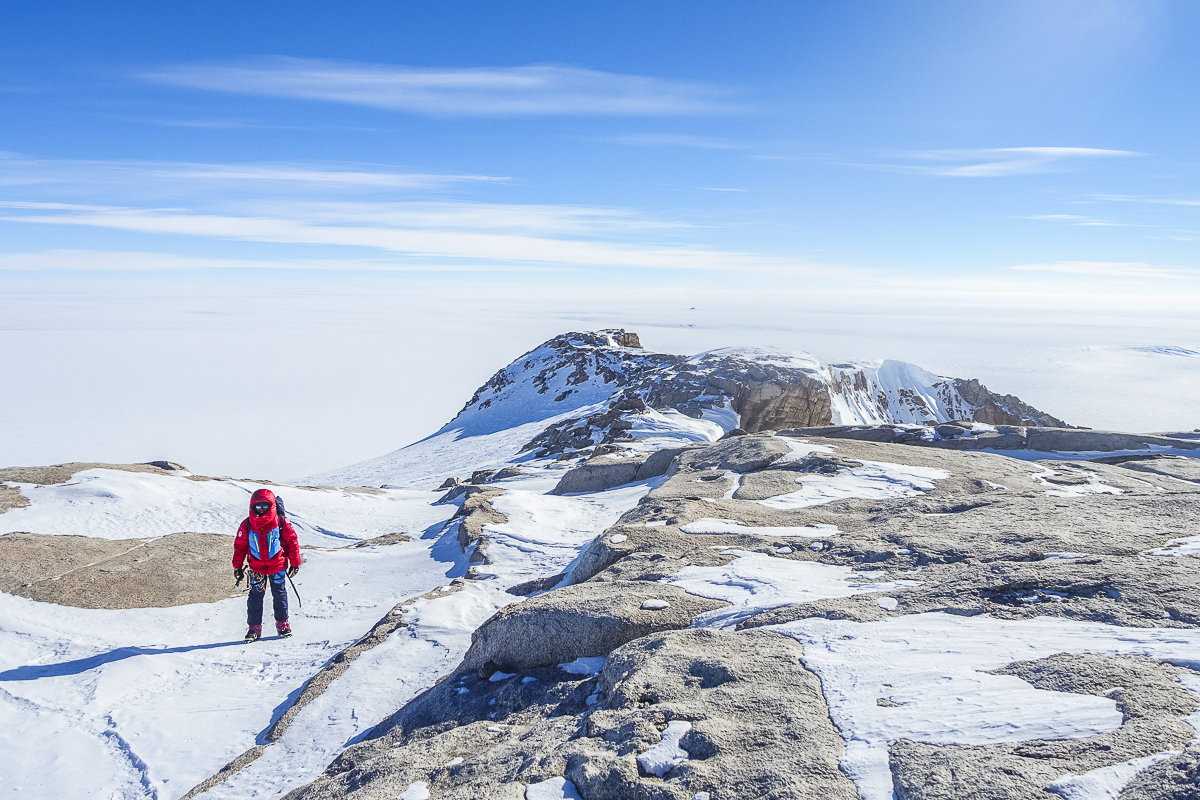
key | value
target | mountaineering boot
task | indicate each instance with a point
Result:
(283, 629)
(253, 634)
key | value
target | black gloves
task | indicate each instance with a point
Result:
(292, 570)
(238, 574)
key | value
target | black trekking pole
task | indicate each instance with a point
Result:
(298, 600)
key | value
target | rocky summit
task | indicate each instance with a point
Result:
(766, 389)
(624, 575)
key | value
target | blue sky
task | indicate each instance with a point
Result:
(747, 164)
(794, 140)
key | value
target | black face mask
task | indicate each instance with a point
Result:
(260, 509)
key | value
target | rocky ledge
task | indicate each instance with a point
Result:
(838, 613)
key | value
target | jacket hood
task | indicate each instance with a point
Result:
(267, 521)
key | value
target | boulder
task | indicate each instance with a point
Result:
(588, 619)
(659, 462)
(504, 474)
(460, 490)
(743, 454)
(169, 466)
(597, 475)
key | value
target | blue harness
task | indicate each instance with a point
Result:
(273, 545)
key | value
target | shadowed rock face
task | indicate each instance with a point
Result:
(764, 405)
(995, 409)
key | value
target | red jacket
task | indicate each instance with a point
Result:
(268, 545)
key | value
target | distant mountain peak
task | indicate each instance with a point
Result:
(582, 389)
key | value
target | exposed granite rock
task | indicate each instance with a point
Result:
(475, 512)
(598, 475)
(988, 534)
(759, 728)
(87, 572)
(11, 497)
(743, 454)
(579, 621)
(994, 409)
(61, 473)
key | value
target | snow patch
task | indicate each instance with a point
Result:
(710, 525)
(756, 582)
(1105, 783)
(669, 428)
(873, 480)
(585, 665)
(666, 755)
(1187, 546)
(552, 789)
(415, 791)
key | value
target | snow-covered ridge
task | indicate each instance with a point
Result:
(583, 389)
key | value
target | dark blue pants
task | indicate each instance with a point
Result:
(258, 590)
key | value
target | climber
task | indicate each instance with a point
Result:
(267, 539)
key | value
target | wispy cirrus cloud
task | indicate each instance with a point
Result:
(1078, 219)
(1003, 162)
(457, 237)
(1111, 269)
(1157, 201)
(675, 140)
(536, 90)
(17, 170)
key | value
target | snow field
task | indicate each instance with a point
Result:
(153, 701)
(448, 453)
(935, 666)
(176, 686)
